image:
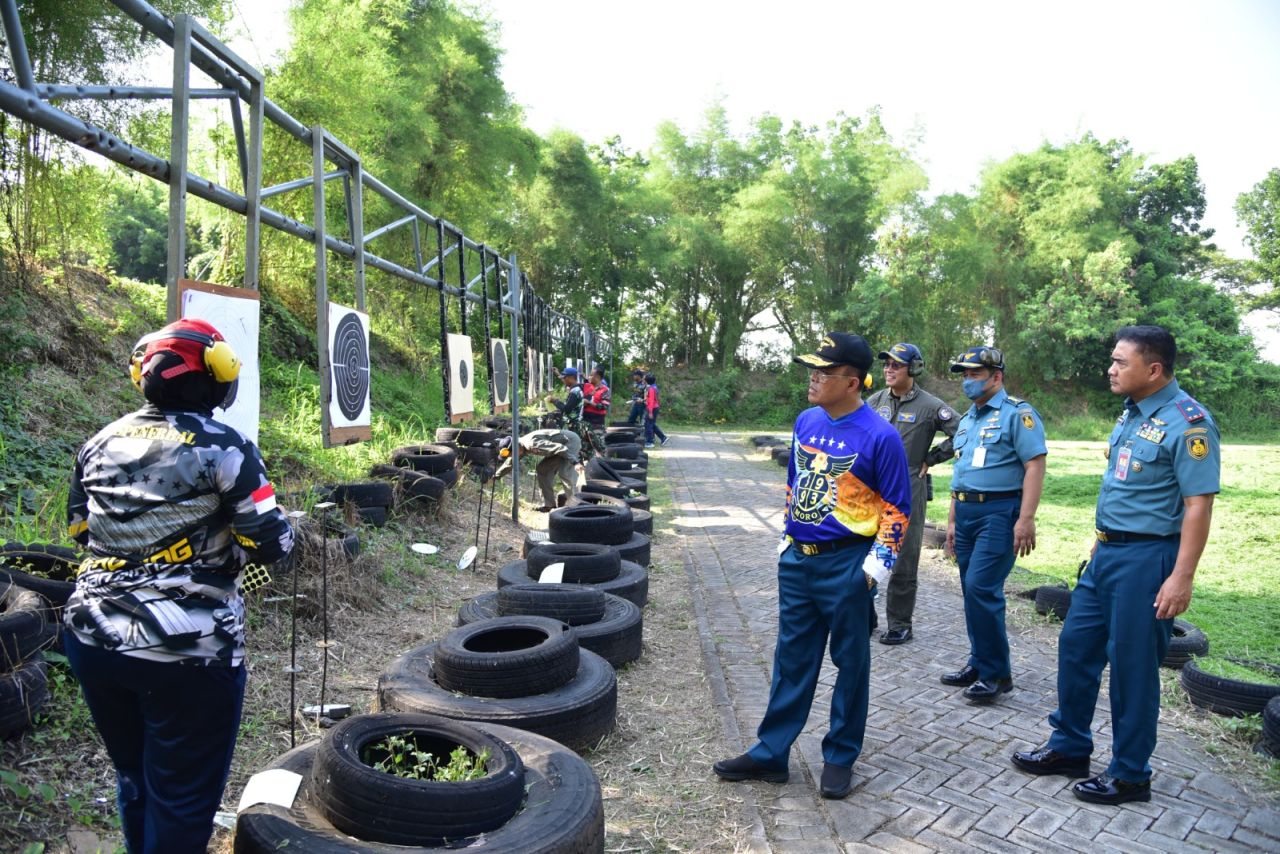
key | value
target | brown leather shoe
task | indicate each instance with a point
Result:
(1105, 789)
(1042, 761)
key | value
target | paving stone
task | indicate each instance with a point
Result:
(1127, 824)
(805, 846)
(944, 843)
(1263, 819)
(1061, 842)
(986, 842)
(888, 842)
(1043, 822)
(955, 821)
(999, 821)
(1214, 843)
(1215, 823)
(1255, 839)
(1175, 824)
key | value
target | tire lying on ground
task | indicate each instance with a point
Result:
(1053, 600)
(580, 498)
(935, 537)
(369, 493)
(23, 692)
(474, 438)
(1227, 696)
(427, 458)
(588, 563)
(1186, 642)
(631, 584)
(507, 657)
(412, 484)
(377, 806)
(637, 502)
(623, 451)
(642, 521)
(41, 568)
(596, 523)
(563, 810)
(614, 635)
(24, 631)
(343, 541)
(578, 714)
(637, 549)
(1270, 727)
(575, 604)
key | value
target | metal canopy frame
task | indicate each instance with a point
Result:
(241, 85)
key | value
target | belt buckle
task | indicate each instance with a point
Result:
(1102, 536)
(960, 496)
(809, 548)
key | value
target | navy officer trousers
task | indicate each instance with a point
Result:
(1113, 620)
(819, 596)
(984, 551)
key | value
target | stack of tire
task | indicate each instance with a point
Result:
(371, 500)
(35, 581)
(476, 448)
(519, 671)
(608, 523)
(625, 443)
(535, 794)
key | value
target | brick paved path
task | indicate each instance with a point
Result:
(934, 773)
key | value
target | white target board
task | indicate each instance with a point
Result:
(501, 376)
(548, 372)
(345, 373)
(234, 312)
(530, 374)
(462, 377)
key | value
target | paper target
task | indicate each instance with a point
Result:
(501, 374)
(461, 376)
(548, 372)
(346, 376)
(530, 375)
(235, 313)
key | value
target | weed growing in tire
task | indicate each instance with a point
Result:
(403, 757)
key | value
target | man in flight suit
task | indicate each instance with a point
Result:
(995, 490)
(918, 416)
(1152, 519)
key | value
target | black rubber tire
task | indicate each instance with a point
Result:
(575, 604)
(636, 486)
(781, 455)
(341, 537)
(23, 628)
(1225, 696)
(639, 473)
(563, 814)
(605, 487)
(766, 441)
(374, 516)
(446, 434)
(448, 477)
(631, 584)
(584, 563)
(369, 493)
(580, 498)
(1053, 600)
(507, 657)
(596, 468)
(638, 502)
(1186, 642)
(380, 807)
(642, 523)
(44, 569)
(476, 455)
(495, 422)
(638, 549)
(598, 523)
(413, 484)
(625, 465)
(784, 460)
(935, 537)
(615, 634)
(531, 539)
(578, 714)
(476, 438)
(428, 458)
(1270, 726)
(23, 692)
(624, 451)
(622, 437)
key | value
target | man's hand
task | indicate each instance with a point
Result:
(1173, 597)
(1024, 537)
(951, 540)
(924, 470)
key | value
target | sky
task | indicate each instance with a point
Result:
(964, 83)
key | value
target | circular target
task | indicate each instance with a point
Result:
(349, 357)
(464, 376)
(501, 372)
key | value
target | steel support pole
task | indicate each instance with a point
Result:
(17, 45)
(176, 267)
(322, 282)
(253, 185)
(514, 288)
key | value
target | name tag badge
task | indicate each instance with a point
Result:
(980, 456)
(1122, 463)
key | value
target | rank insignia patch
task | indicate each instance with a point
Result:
(1198, 447)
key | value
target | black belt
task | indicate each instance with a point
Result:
(981, 497)
(824, 546)
(1129, 537)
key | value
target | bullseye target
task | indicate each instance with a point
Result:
(347, 386)
(461, 376)
(501, 374)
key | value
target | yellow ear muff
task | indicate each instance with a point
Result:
(221, 361)
(135, 367)
(868, 381)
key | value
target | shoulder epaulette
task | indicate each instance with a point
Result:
(1016, 401)
(1190, 410)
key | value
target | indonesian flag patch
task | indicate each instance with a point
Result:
(264, 499)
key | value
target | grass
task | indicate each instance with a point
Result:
(1235, 596)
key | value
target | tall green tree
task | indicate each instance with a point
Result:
(1259, 212)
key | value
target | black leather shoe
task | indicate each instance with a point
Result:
(1042, 760)
(986, 690)
(836, 781)
(965, 676)
(745, 768)
(1104, 789)
(893, 637)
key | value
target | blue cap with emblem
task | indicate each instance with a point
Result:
(905, 354)
(839, 348)
(978, 357)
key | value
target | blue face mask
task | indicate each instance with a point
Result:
(973, 388)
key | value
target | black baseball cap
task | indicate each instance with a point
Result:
(978, 357)
(839, 348)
